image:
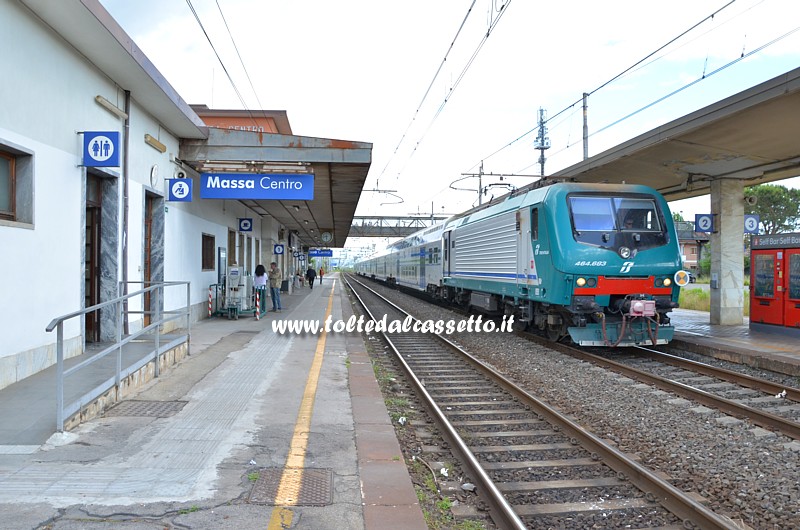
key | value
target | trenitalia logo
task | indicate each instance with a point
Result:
(269, 186)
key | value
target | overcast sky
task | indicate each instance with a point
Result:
(360, 69)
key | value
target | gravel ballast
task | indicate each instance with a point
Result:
(743, 472)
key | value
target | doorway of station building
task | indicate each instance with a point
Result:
(153, 259)
(100, 241)
(147, 272)
(92, 256)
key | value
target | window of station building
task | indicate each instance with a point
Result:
(209, 243)
(231, 247)
(7, 179)
(16, 185)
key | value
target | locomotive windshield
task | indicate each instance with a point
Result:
(610, 222)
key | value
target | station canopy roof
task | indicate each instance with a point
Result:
(340, 167)
(750, 136)
(261, 142)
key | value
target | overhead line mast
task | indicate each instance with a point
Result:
(542, 141)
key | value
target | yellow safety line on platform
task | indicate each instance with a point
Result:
(292, 477)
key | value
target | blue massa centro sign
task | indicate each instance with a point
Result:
(275, 186)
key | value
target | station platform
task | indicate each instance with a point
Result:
(254, 429)
(234, 423)
(761, 348)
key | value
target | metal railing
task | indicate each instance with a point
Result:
(158, 318)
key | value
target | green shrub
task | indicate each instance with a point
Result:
(700, 300)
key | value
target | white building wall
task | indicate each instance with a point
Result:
(42, 109)
(41, 263)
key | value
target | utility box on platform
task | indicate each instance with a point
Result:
(775, 282)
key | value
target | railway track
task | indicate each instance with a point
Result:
(764, 403)
(534, 467)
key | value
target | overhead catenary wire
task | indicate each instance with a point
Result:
(703, 77)
(224, 68)
(503, 9)
(241, 61)
(611, 80)
(430, 85)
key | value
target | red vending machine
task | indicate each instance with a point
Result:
(775, 280)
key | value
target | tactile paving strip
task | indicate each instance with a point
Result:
(305, 487)
(152, 409)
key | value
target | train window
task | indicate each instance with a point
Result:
(535, 224)
(614, 213)
(615, 221)
(592, 213)
(636, 214)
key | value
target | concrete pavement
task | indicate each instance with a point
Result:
(230, 412)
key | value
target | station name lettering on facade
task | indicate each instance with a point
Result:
(269, 186)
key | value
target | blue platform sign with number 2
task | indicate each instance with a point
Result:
(703, 222)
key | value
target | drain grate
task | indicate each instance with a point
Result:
(152, 409)
(302, 487)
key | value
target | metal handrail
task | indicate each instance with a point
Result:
(159, 318)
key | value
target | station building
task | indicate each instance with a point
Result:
(76, 231)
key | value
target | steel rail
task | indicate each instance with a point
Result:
(502, 512)
(673, 499)
(731, 376)
(759, 417)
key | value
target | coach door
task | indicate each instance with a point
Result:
(766, 281)
(792, 273)
(446, 254)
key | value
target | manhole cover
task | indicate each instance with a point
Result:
(152, 409)
(301, 487)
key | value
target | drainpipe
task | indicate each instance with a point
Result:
(126, 141)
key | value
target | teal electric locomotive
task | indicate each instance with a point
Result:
(599, 263)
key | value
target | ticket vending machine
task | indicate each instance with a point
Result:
(775, 280)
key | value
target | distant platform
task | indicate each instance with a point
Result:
(760, 346)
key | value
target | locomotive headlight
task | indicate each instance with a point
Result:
(581, 282)
(667, 282)
(659, 282)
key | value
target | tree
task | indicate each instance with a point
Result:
(678, 217)
(778, 207)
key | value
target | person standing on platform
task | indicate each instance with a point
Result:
(260, 285)
(321, 273)
(275, 279)
(310, 275)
